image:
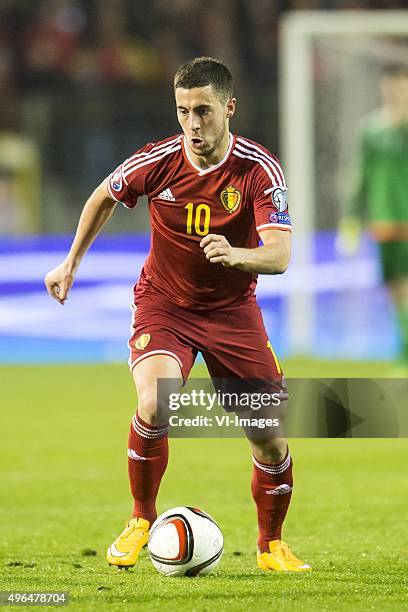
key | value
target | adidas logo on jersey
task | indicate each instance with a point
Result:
(167, 195)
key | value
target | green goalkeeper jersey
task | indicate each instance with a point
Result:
(380, 186)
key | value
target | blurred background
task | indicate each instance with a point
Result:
(83, 83)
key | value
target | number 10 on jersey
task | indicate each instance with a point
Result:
(198, 218)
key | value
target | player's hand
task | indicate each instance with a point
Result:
(217, 249)
(59, 281)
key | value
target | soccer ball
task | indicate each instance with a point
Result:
(185, 542)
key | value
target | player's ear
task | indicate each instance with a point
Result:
(230, 107)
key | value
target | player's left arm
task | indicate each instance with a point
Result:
(270, 258)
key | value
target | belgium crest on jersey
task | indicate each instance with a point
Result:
(142, 341)
(230, 198)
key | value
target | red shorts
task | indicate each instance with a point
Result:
(232, 339)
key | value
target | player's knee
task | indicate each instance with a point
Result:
(147, 403)
(151, 408)
(272, 450)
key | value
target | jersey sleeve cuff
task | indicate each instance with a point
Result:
(112, 196)
(278, 226)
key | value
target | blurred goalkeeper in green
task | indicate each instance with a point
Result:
(379, 199)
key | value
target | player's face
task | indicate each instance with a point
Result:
(204, 118)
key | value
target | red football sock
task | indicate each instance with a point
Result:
(271, 489)
(148, 454)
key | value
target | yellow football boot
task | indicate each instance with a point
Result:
(281, 559)
(126, 548)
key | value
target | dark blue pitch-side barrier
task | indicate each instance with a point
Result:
(353, 315)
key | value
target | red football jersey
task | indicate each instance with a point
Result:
(243, 194)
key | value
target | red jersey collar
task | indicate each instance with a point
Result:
(203, 171)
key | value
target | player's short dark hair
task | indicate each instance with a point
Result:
(203, 71)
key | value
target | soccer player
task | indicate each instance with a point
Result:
(211, 196)
(379, 197)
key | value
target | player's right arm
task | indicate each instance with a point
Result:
(124, 185)
(97, 211)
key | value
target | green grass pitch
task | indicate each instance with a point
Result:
(64, 493)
